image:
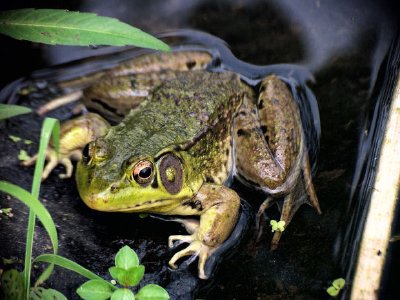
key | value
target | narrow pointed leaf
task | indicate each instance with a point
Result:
(54, 26)
(40, 293)
(9, 110)
(70, 265)
(34, 204)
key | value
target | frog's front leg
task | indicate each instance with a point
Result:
(270, 151)
(218, 207)
(75, 134)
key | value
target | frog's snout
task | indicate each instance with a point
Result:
(95, 201)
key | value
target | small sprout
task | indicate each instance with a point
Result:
(336, 287)
(277, 226)
(14, 138)
(23, 155)
(7, 212)
(143, 215)
(127, 272)
(28, 142)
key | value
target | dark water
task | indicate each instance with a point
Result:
(337, 48)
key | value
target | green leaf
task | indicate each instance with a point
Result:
(134, 275)
(40, 293)
(12, 283)
(118, 274)
(50, 126)
(54, 26)
(339, 283)
(332, 291)
(23, 155)
(94, 290)
(34, 204)
(9, 110)
(70, 265)
(123, 294)
(152, 292)
(28, 142)
(277, 226)
(126, 258)
(14, 138)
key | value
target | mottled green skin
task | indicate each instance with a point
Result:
(192, 129)
(187, 116)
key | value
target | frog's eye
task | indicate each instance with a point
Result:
(171, 173)
(143, 171)
(86, 153)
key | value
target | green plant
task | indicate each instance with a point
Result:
(16, 285)
(55, 26)
(277, 225)
(128, 273)
(337, 285)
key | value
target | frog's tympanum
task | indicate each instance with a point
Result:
(183, 132)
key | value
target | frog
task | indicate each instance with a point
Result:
(181, 133)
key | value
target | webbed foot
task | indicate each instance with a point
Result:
(218, 207)
(195, 249)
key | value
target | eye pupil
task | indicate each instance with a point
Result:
(85, 151)
(86, 154)
(145, 172)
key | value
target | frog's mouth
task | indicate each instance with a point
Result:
(103, 202)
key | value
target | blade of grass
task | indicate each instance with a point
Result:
(49, 126)
(70, 265)
(35, 205)
(10, 110)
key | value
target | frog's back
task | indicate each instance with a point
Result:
(179, 110)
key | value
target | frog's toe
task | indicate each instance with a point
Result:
(180, 238)
(66, 162)
(29, 162)
(196, 248)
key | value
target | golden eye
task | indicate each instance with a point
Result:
(143, 171)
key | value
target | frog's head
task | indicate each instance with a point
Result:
(110, 180)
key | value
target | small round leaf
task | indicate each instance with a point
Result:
(332, 291)
(339, 283)
(122, 294)
(118, 274)
(152, 292)
(134, 275)
(126, 258)
(94, 290)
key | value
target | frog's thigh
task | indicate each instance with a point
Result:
(218, 207)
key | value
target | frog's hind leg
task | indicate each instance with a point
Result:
(270, 152)
(313, 199)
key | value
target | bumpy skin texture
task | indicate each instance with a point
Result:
(185, 132)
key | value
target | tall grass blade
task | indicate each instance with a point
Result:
(49, 126)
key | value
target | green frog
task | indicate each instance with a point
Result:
(183, 132)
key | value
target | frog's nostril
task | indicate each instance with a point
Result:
(114, 188)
